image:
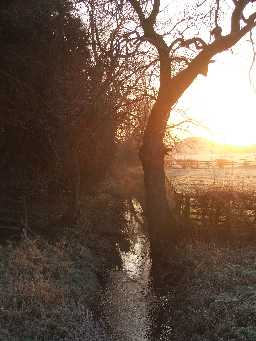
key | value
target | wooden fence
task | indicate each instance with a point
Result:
(217, 163)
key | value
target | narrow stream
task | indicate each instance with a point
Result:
(128, 292)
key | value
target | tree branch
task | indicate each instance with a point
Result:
(199, 65)
(237, 14)
(155, 12)
(136, 6)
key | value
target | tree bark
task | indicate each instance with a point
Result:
(160, 219)
(158, 212)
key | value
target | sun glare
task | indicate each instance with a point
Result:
(224, 102)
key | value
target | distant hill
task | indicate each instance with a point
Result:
(200, 145)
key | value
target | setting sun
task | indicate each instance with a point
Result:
(224, 102)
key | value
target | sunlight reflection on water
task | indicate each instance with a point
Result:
(128, 292)
(136, 261)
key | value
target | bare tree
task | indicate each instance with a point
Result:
(182, 58)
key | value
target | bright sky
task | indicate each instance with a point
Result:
(224, 101)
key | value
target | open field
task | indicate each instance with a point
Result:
(238, 178)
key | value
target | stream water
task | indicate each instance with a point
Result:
(128, 295)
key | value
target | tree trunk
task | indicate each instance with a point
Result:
(160, 219)
(157, 208)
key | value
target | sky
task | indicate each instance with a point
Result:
(224, 101)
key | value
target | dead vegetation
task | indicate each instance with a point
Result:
(214, 298)
(212, 277)
(47, 291)
(51, 290)
(221, 210)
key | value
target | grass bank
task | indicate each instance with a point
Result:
(215, 296)
(50, 290)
